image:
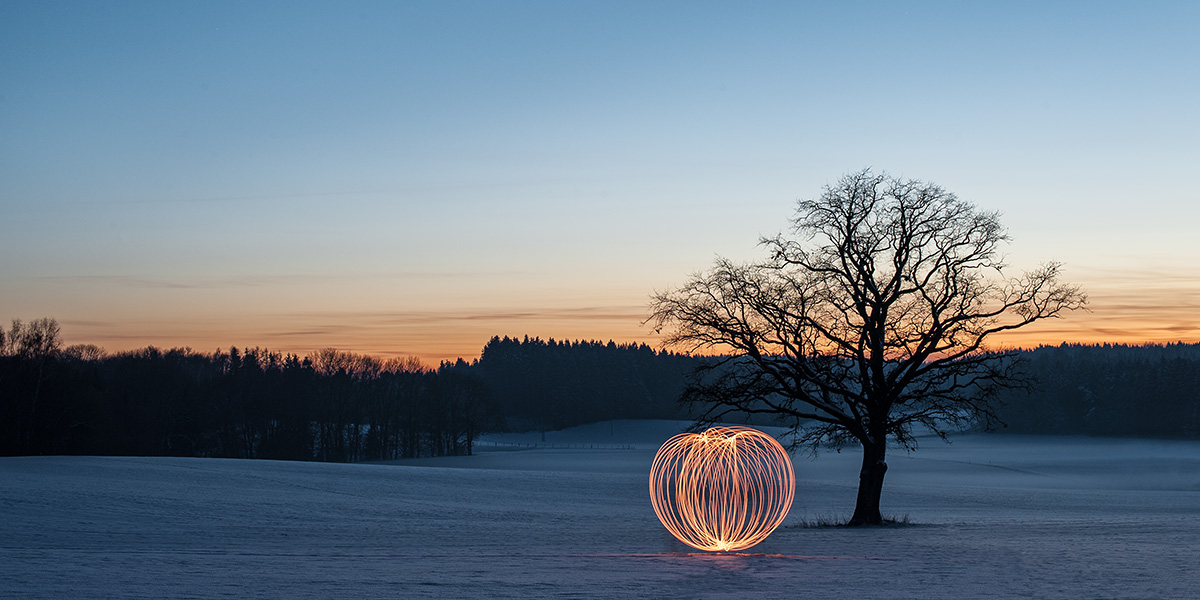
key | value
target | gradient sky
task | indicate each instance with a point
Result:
(414, 177)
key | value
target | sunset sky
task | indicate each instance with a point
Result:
(412, 178)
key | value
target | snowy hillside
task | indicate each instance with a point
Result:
(996, 516)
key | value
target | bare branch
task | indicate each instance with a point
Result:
(872, 319)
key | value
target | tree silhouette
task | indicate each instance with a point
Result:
(871, 320)
(34, 346)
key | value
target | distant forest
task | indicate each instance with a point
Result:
(329, 406)
(1108, 390)
(341, 406)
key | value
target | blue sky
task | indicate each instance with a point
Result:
(414, 177)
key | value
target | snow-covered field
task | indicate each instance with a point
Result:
(995, 516)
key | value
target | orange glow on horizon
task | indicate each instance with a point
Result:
(723, 490)
(1133, 311)
(453, 343)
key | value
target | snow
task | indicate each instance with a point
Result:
(995, 516)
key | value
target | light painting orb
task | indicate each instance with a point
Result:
(725, 489)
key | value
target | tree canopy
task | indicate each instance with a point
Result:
(872, 317)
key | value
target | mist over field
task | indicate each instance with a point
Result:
(990, 516)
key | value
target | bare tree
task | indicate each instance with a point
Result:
(33, 345)
(870, 320)
(84, 352)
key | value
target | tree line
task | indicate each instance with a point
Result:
(341, 406)
(548, 385)
(248, 403)
(327, 406)
(1107, 390)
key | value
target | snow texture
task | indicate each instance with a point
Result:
(995, 517)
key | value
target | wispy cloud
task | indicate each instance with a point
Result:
(118, 280)
(582, 314)
(248, 281)
(432, 336)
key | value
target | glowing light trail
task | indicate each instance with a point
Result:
(725, 489)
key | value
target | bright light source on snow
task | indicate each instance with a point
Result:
(725, 489)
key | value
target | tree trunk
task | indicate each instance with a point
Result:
(870, 485)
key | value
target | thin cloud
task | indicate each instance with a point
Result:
(119, 280)
(87, 323)
(254, 281)
(587, 313)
